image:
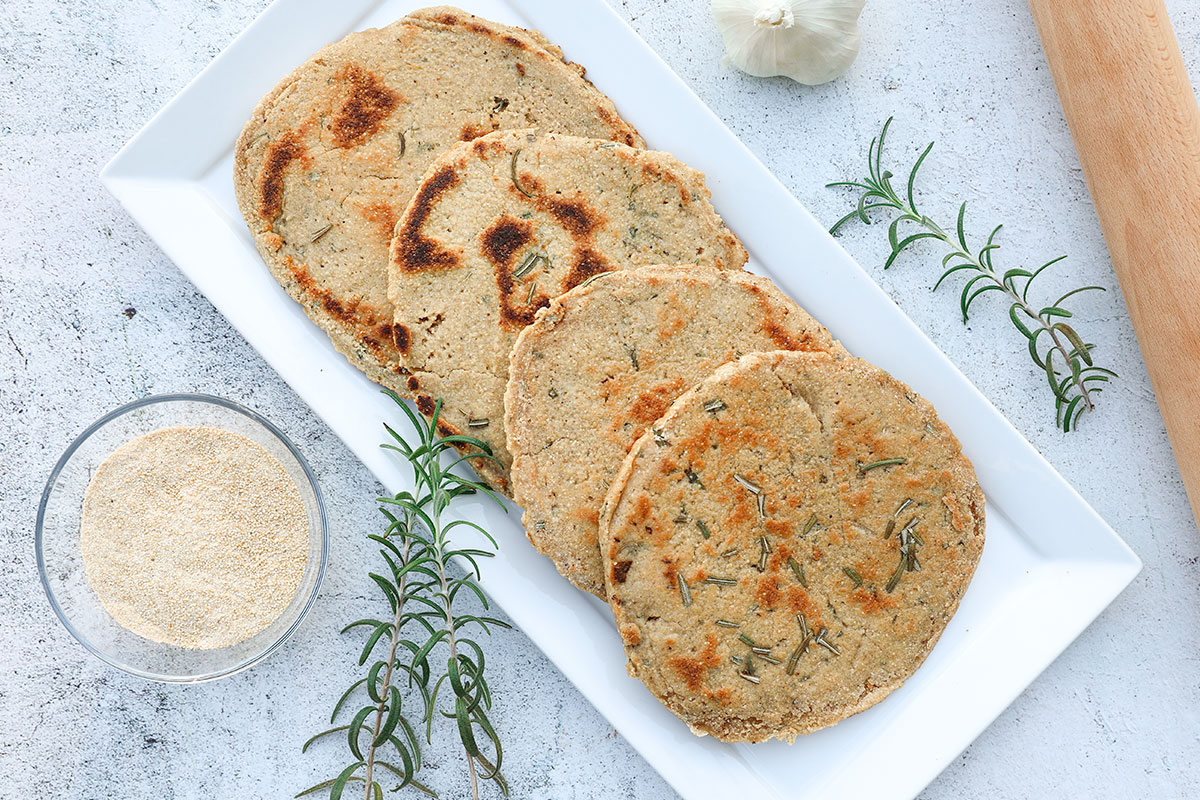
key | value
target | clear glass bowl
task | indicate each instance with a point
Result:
(60, 561)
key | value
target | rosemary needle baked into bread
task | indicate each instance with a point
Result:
(334, 153)
(601, 363)
(503, 224)
(788, 543)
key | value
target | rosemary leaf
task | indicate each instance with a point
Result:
(794, 658)
(515, 180)
(748, 484)
(798, 571)
(863, 469)
(529, 264)
(894, 581)
(828, 645)
(631, 351)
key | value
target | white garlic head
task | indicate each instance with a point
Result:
(810, 41)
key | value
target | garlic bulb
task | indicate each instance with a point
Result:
(810, 41)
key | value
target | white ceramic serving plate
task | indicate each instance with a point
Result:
(1048, 555)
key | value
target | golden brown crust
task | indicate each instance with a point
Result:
(808, 515)
(280, 155)
(602, 363)
(415, 250)
(331, 156)
(529, 216)
(363, 112)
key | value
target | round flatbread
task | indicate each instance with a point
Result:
(602, 363)
(787, 545)
(331, 157)
(505, 223)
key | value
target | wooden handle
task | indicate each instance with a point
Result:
(1136, 125)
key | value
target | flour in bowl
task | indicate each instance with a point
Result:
(194, 536)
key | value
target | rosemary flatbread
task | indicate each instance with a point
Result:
(602, 363)
(788, 543)
(505, 223)
(334, 153)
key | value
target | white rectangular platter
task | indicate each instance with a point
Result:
(1048, 555)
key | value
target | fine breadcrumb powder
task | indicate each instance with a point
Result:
(194, 536)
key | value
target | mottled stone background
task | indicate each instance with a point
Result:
(92, 315)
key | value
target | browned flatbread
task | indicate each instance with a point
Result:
(788, 543)
(505, 223)
(602, 363)
(331, 157)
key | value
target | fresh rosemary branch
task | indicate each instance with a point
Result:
(421, 592)
(389, 721)
(1062, 354)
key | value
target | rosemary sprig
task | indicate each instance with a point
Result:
(1065, 358)
(421, 593)
(389, 720)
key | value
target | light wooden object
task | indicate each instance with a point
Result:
(1136, 125)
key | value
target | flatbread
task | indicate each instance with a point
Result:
(505, 223)
(602, 363)
(331, 157)
(758, 553)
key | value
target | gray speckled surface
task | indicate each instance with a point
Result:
(1117, 716)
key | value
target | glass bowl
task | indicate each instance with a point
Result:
(60, 561)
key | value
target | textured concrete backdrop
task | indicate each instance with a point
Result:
(92, 315)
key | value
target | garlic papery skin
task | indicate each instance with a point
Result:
(810, 41)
